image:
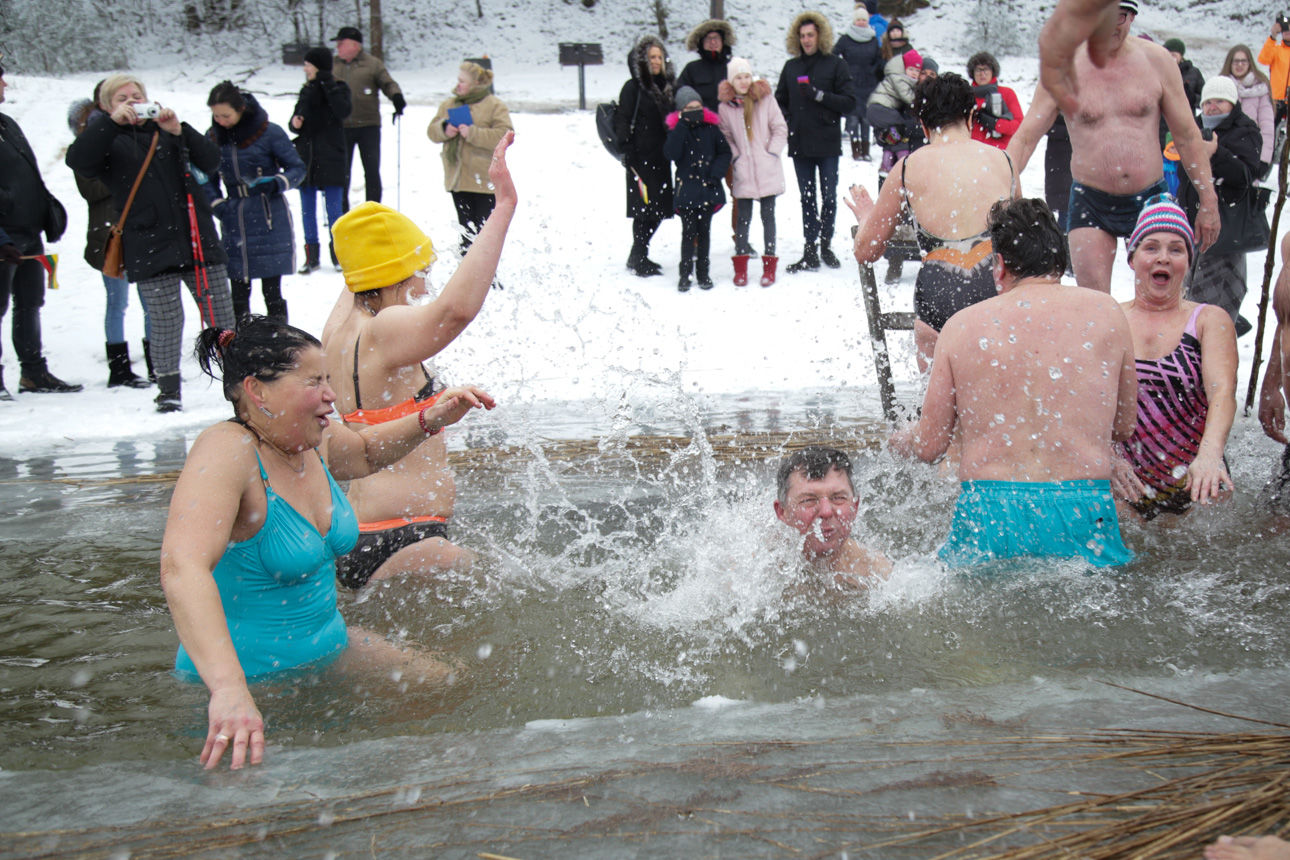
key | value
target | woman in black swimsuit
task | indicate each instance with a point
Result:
(946, 188)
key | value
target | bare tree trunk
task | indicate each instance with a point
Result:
(717, 10)
(479, 8)
(660, 16)
(377, 36)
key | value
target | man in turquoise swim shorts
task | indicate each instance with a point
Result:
(1034, 384)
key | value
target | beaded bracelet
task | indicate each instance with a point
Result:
(421, 419)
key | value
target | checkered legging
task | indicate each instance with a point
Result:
(162, 296)
(1219, 280)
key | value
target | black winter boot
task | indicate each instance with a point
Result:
(147, 362)
(311, 263)
(168, 400)
(41, 381)
(827, 256)
(687, 264)
(331, 246)
(119, 370)
(701, 274)
(810, 261)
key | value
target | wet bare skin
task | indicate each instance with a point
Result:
(421, 484)
(1038, 382)
(1276, 384)
(1115, 134)
(1248, 848)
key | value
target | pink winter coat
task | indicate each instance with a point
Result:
(1257, 105)
(758, 168)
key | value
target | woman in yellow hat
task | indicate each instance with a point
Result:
(377, 342)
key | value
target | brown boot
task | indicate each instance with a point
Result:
(864, 149)
(855, 149)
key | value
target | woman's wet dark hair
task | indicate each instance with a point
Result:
(261, 347)
(943, 100)
(1025, 235)
(225, 93)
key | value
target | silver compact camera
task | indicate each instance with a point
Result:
(150, 110)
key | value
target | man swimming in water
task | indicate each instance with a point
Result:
(1115, 148)
(817, 497)
(1038, 382)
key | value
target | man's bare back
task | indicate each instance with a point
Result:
(1039, 379)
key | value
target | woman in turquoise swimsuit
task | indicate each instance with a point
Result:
(257, 521)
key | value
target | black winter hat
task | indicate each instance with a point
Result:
(349, 33)
(320, 58)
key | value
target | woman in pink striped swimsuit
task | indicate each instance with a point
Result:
(1186, 364)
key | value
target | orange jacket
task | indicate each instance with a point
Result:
(1276, 57)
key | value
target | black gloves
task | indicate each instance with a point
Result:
(400, 104)
(10, 254)
(986, 120)
(809, 91)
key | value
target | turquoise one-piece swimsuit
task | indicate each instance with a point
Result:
(278, 588)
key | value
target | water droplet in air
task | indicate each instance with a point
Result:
(1055, 372)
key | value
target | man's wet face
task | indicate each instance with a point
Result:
(821, 511)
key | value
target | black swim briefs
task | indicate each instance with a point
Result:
(355, 568)
(1116, 214)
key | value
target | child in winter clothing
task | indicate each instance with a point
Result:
(755, 129)
(891, 106)
(702, 157)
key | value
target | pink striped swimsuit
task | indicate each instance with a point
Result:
(1171, 420)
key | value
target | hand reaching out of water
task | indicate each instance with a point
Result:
(499, 174)
(1124, 483)
(234, 723)
(1272, 412)
(454, 403)
(1207, 479)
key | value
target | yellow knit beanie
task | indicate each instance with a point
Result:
(379, 247)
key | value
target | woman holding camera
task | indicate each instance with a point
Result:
(169, 235)
(257, 165)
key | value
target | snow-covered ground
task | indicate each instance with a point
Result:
(571, 323)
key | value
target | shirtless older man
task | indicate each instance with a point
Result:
(817, 497)
(1115, 161)
(1039, 380)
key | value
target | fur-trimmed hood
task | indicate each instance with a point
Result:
(638, 65)
(694, 41)
(794, 46)
(726, 91)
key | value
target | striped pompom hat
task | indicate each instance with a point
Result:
(1162, 214)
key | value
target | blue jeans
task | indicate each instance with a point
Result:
(818, 224)
(333, 198)
(118, 298)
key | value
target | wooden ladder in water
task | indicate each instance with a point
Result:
(879, 324)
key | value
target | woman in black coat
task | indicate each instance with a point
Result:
(159, 246)
(1233, 141)
(318, 119)
(643, 104)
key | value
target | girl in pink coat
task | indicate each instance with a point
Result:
(755, 128)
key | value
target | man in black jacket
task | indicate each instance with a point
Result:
(815, 93)
(714, 41)
(26, 209)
